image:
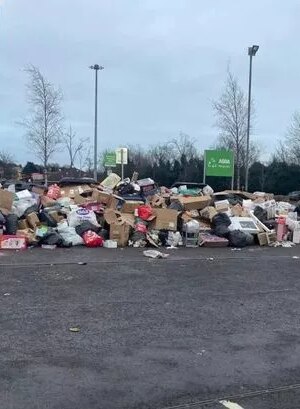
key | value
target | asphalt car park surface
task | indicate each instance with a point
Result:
(204, 328)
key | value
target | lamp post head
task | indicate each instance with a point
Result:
(96, 67)
(253, 50)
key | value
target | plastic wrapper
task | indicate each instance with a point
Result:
(69, 234)
(54, 192)
(92, 239)
(144, 212)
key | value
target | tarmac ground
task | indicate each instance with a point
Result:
(203, 328)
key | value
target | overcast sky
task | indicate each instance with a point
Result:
(165, 61)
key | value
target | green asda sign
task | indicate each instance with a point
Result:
(219, 163)
(110, 159)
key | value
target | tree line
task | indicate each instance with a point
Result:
(176, 159)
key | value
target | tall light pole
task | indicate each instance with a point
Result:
(96, 67)
(251, 52)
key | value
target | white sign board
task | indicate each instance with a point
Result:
(119, 153)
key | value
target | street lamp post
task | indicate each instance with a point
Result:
(96, 67)
(251, 52)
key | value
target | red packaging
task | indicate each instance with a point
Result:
(54, 192)
(145, 212)
(12, 242)
(92, 239)
(140, 227)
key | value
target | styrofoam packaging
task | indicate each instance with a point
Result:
(110, 244)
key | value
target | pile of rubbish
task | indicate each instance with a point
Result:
(138, 213)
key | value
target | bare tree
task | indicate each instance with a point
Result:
(231, 113)
(6, 158)
(184, 145)
(289, 150)
(44, 124)
(73, 145)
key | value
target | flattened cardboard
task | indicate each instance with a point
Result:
(6, 201)
(194, 203)
(165, 219)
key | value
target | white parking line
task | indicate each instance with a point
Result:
(230, 405)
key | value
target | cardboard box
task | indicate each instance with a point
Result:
(222, 205)
(29, 235)
(165, 219)
(23, 224)
(56, 216)
(194, 203)
(72, 190)
(210, 240)
(114, 217)
(47, 202)
(262, 239)
(157, 201)
(119, 233)
(296, 233)
(6, 201)
(237, 210)
(12, 242)
(101, 197)
(129, 206)
(33, 220)
(208, 213)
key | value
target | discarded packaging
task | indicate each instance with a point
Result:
(155, 254)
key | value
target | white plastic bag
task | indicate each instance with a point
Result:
(208, 190)
(69, 234)
(20, 206)
(76, 217)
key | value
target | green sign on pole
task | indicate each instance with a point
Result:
(110, 160)
(219, 163)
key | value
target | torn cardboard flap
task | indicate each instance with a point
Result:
(157, 201)
(114, 217)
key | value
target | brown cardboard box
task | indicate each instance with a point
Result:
(23, 224)
(120, 233)
(28, 234)
(6, 201)
(73, 190)
(157, 201)
(101, 197)
(262, 239)
(194, 203)
(208, 213)
(237, 210)
(130, 205)
(222, 205)
(47, 202)
(56, 216)
(113, 217)
(165, 219)
(33, 220)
